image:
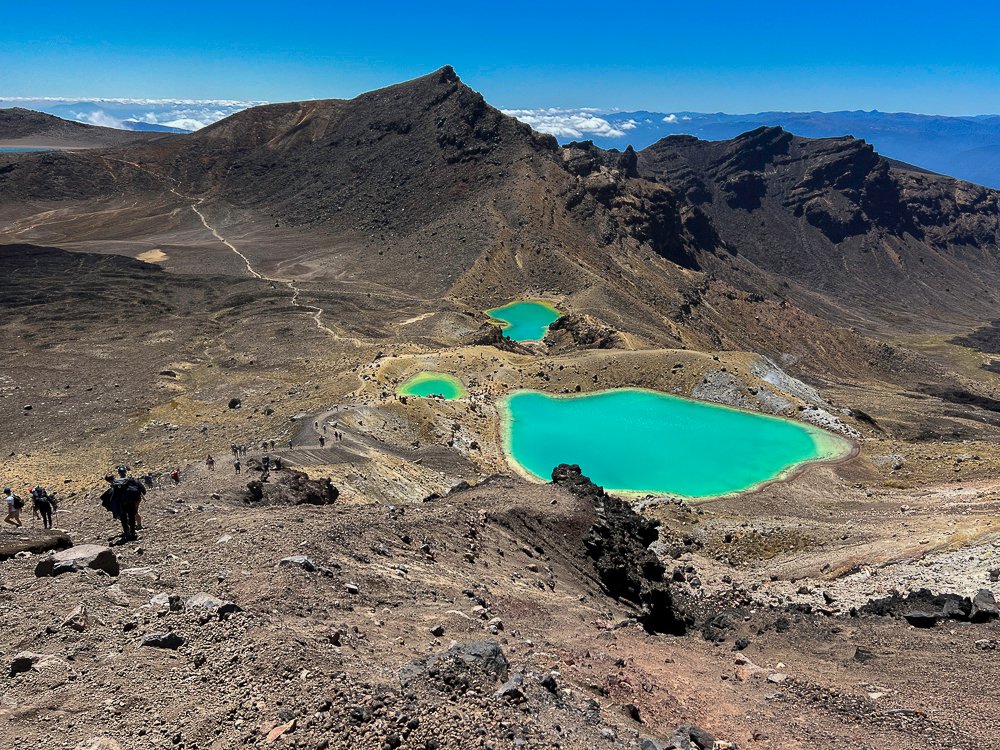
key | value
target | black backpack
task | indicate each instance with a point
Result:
(127, 488)
(18, 503)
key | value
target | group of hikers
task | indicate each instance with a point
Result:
(43, 505)
(124, 492)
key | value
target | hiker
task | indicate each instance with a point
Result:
(265, 462)
(147, 479)
(272, 445)
(322, 441)
(237, 465)
(289, 443)
(41, 505)
(210, 462)
(14, 505)
(176, 476)
(263, 447)
(126, 493)
(235, 449)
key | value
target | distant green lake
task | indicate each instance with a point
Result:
(21, 150)
(633, 440)
(426, 384)
(526, 320)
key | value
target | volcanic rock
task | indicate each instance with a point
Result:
(34, 541)
(92, 556)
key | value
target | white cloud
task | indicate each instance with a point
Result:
(187, 114)
(670, 119)
(571, 123)
(98, 117)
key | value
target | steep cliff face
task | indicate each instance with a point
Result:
(834, 217)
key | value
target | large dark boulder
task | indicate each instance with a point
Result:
(92, 556)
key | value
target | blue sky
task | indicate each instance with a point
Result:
(711, 56)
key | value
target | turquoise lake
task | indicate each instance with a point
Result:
(633, 440)
(526, 320)
(427, 384)
(22, 150)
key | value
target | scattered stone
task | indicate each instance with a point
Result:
(777, 678)
(278, 731)
(23, 661)
(169, 640)
(298, 561)
(437, 631)
(222, 608)
(690, 737)
(550, 684)
(99, 743)
(984, 607)
(235, 403)
(512, 690)
(458, 668)
(116, 596)
(78, 620)
(92, 556)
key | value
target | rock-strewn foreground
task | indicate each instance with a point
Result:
(338, 625)
(275, 277)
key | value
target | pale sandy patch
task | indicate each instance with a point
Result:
(152, 256)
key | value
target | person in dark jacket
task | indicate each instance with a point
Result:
(42, 504)
(125, 494)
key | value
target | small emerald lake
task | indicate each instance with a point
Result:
(427, 384)
(525, 320)
(634, 440)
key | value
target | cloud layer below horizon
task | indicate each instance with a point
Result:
(183, 114)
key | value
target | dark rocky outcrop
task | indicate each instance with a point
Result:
(575, 331)
(618, 544)
(492, 335)
(924, 609)
(289, 487)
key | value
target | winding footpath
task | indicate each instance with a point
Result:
(316, 313)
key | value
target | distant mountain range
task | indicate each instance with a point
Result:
(964, 147)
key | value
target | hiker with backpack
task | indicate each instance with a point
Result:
(42, 505)
(210, 462)
(122, 499)
(14, 505)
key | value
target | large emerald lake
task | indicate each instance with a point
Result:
(633, 440)
(526, 320)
